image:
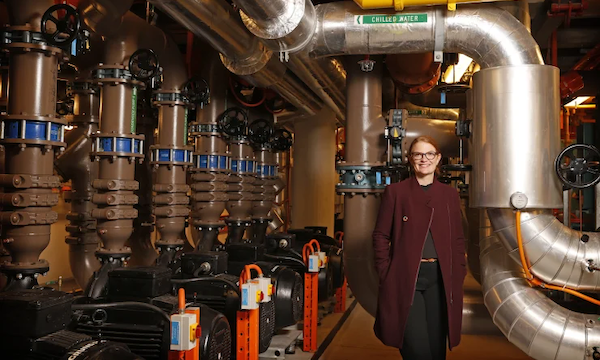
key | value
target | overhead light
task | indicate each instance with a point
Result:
(455, 72)
(577, 101)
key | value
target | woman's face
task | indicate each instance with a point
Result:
(424, 158)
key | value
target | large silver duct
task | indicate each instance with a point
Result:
(489, 35)
(516, 106)
(287, 26)
(242, 53)
(534, 323)
(559, 256)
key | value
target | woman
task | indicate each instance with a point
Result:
(420, 259)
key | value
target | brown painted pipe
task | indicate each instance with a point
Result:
(364, 146)
(32, 94)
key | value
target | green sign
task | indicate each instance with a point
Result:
(389, 19)
(133, 109)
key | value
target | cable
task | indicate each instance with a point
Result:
(537, 282)
(288, 258)
(207, 279)
(122, 304)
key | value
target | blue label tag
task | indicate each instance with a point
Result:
(175, 333)
(311, 263)
(245, 297)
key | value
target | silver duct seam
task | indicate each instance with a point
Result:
(530, 320)
(558, 255)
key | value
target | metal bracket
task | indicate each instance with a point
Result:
(440, 35)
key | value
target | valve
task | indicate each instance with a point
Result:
(143, 64)
(197, 91)
(233, 121)
(66, 24)
(578, 166)
(281, 140)
(260, 131)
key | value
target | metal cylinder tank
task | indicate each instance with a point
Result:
(516, 136)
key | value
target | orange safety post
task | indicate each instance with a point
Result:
(247, 324)
(311, 296)
(340, 297)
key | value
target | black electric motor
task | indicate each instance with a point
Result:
(34, 327)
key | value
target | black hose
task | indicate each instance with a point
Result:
(122, 304)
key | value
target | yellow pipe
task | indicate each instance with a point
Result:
(401, 4)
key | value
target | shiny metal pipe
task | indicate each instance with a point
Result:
(515, 129)
(530, 320)
(558, 255)
(489, 35)
(242, 54)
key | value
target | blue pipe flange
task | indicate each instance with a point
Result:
(240, 166)
(32, 130)
(117, 145)
(171, 155)
(266, 171)
(361, 179)
(211, 162)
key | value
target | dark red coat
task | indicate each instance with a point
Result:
(406, 212)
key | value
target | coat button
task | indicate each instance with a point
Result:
(405, 218)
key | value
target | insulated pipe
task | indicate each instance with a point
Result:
(534, 323)
(558, 255)
(489, 35)
(31, 134)
(243, 54)
(364, 147)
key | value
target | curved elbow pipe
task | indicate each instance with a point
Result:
(559, 256)
(534, 323)
(489, 35)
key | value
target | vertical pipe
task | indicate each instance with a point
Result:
(264, 186)
(31, 106)
(75, 164)
(364, 147)
(209, 182)
(313, 176)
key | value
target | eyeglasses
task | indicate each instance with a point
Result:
(418, 156)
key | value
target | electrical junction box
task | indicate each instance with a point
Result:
(313, 263)
(322, 259)
(250, 296)
(183, 332)
(265, 287)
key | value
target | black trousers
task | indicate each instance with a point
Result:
(427, 326)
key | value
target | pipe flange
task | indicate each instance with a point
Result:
(32, 130)
(243, 166)
(105, 74)
(111, 256)
(361, 178)
(82, 87)
(168, 98)
(117, 145)
(24, 218)
(211, 162)
(40, 267)
(265, 171)
(171, 155)
(22, 37)
(197, 129)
